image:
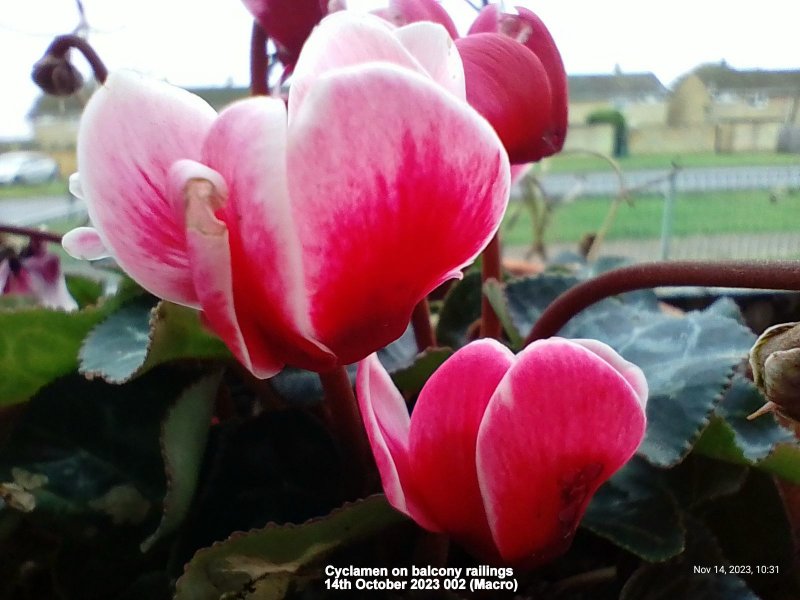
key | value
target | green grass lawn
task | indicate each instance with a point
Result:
(720, 212)
(576, 162)
(52, 188)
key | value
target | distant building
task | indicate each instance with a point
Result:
(640, 97)
(55, 120)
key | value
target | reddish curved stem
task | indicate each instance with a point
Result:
(61, 45)
(259, 62)
(490, 269)
(765, 275)
(421, 323)
(45, 236)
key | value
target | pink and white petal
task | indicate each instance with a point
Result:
(435, 50)
(443, 438)
(344, 39)
(247, 146)
(46, 282)
(131, 132)
(403, 12)
(632, 373)
(508, 85)
(561, 422)
(75, 186)
(382, 220)
(386, 420)
(208, 249)
(85, 243)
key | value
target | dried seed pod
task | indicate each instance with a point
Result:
(775, 361)
(56, 76)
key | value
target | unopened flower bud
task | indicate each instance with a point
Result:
(775, 361)
(56, 76)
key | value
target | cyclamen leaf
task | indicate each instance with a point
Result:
(278, 555)
(39, 345)
(493, 290)
(460, 309)
(139, 336)
(184, 433)
(411, 379)
(761, 443)
(635, 511)
(680, 577)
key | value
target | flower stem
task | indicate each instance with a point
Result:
(421, 323)
(259, 62)
(344, 419)
(34, 234)
(490, 269)
(752, 274)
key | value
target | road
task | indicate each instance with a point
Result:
(696, 179)
(36, 210)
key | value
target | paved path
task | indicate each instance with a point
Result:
(696, 179)
(721, 246)
(36, 210)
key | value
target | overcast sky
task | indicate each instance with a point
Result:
(205, 42)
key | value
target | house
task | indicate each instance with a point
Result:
(55, 119)
(640, 97)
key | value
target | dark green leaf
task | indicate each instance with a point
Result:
(95, 446)
(681, 577)
(138, 337)
(84, 290)
(699, 480)
(183, 442)
(636, 511)
(687, 362)
(528, 297)
(762, 442)
(460, 309)
(40, 345)
(752, 529)
(493, 290)
(278, 557)
(411, 379)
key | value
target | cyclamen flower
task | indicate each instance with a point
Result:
(514, 74)
(504, 452)
(36, 273)
(288, 23)
(305, 237)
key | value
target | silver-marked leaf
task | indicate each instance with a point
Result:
(277, 556)
(184, 433)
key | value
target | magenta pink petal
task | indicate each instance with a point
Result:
(632, 374)
(561, 422)
(268, 273)
(508, 85)
(386, 420)
(131, 132)
(537, 38)
(204, 193)
(287, 22)
(487, 21)
(403, 12)
(379, 229)
(443, 436)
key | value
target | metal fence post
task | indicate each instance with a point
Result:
(668, 214)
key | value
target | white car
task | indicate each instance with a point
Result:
(27, 168)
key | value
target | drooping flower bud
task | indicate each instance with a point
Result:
(56, 76)
(775, 361)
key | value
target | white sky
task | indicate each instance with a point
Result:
(205, 42)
